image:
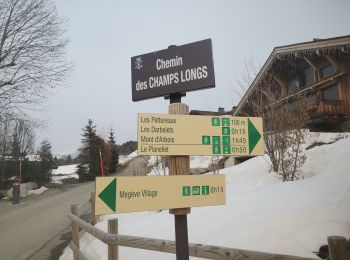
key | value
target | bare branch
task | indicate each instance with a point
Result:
(32, 52)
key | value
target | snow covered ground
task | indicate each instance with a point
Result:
(125, 158)
(203, 161)
(38, 191)
(64, 172)
(261, 213)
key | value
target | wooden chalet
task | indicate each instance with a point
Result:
(221, 112)
(319, 69)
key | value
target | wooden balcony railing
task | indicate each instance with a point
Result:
(327, 108)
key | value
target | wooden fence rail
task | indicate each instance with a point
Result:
(167, 246)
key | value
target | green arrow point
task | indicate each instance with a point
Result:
(108, 195)
(253, 136)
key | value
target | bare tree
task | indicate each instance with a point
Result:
(283, 119)
(22, 139)
(32, 53)
(16, 141)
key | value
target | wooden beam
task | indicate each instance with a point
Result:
(334, 62)
(313, 86)
(312, 65)
(337, 248)
(93, 203)
(75, 230)
(279, 57)
(299, 54)
(282, 84)
(77, 252)
(113, 229)
(168, 246)
(179, 165)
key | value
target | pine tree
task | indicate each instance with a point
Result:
(113, 153)
(82, 171)
(89, 154)
(46, 162)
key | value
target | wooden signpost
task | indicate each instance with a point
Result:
(171, 73)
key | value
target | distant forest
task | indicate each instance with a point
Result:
(127, 147)
(123, 149)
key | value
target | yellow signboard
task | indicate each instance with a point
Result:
(160, 134)
(143, 193)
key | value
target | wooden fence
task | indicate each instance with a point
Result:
(339, 247)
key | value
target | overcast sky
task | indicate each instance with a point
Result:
(105, 34)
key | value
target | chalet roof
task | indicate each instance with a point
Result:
(304, 49)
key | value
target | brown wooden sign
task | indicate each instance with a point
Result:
(174, 70)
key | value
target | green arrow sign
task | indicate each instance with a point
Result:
(253, 136)
(108, 195)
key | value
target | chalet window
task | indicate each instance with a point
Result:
(308, 76)
(327, 71)
(331, 93)
(292, 86)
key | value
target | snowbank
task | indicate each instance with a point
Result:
(64, 172)
(203, 161)
(125, 158)
(37, 191)
(261, 212)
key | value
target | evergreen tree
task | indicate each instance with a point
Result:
(69, 160)
(89, 153)
(113, 153)
(82, 171)
(46, 162)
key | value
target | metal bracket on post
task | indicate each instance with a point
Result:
(176, 97)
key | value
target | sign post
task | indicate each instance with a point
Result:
(20, 170)
(171, 73)
(180, 165)
(101, 162)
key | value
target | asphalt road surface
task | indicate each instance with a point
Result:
(38, 227)
(137, 164)
(26, 227)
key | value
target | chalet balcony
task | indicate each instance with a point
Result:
(326, 115)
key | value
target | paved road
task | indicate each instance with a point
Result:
(26, 227)
(137, 165)
(38, 227)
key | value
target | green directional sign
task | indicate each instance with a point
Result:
(142, 193)
(108, 195)
(160, 134)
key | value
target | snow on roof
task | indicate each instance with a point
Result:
(33, 158)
